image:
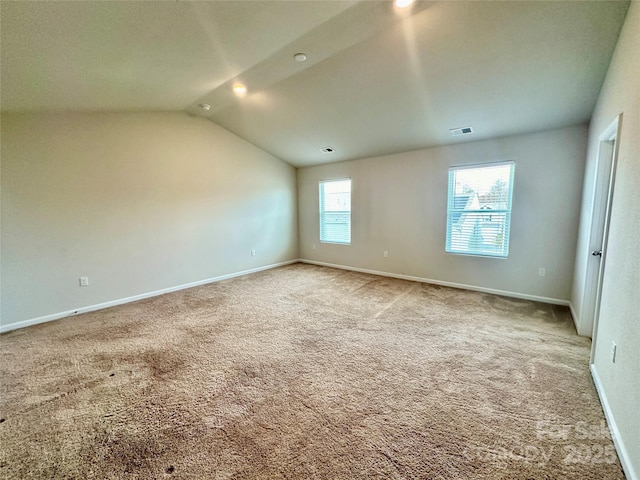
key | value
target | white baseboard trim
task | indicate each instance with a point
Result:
(91, 308)
(523, 296)
(618, 441)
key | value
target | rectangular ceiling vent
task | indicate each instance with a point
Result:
(461, 131)
(327, 150)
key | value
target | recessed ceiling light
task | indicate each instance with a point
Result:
(403, 3)
(239, 89)
(300, 57)
(205, 106)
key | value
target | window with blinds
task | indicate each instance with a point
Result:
(335, 211)
(479, 209)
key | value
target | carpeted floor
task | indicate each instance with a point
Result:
(304, 372)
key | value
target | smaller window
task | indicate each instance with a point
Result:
(479, 209)
(335, 211)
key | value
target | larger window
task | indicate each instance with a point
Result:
(479, 209)
(335, 211)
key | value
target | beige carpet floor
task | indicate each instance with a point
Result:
(304, 372)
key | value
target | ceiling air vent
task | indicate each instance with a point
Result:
(327, 150)
(461, 131)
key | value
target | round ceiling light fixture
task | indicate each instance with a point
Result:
(403, 3)
(300, 57)
(239, 89)
(205, 106)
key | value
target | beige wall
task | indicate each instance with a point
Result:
(399, 205)
(620, 308)
(136, 202)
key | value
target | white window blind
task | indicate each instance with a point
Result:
(479, 209)
(335, 211)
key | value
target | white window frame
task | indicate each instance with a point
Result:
(462, 223)
(325, 234)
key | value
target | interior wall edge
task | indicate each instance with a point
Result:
(121, 301)
(621, 449)
(576, 321)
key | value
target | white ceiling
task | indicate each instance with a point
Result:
(377, 80)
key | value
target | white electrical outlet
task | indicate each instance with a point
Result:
(313, 246)
(542, 272)
(253, 253)
(385, 253)
(84, 281)
(614, 349)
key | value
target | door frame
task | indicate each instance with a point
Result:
(600, 219)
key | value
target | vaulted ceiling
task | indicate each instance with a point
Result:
(377, 79)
